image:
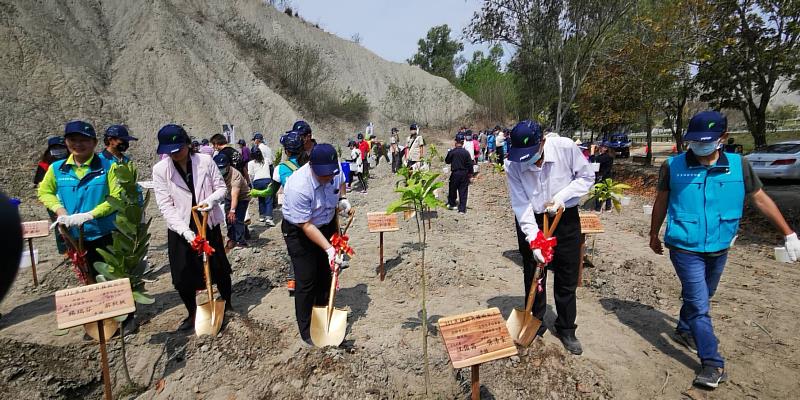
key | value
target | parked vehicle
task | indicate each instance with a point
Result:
(618, 142)
(777, 161)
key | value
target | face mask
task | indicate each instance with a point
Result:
(534, 158)
(224, 171)
(703, 149)
(58, 154)
(122, 147)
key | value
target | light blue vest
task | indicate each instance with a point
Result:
(83, 195)
(705, 204)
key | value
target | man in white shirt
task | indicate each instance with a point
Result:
(269, 157)
(545, 175)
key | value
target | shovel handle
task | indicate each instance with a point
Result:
(201, 227)
(549, 233)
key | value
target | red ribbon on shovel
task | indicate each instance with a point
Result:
(78, 259)
(340, 244)
(546, 246)
(202, 246)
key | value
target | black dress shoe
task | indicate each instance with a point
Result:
(187, 323)
(571, 343)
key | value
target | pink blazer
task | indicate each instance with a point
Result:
(175, 200)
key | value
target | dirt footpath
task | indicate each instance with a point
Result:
(626, 313)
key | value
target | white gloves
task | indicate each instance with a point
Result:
(344, 206)
(793, 246)
(207, 204)
(552, 209)
(189, 236)
(333, 260)
(73, 220)
(537, 255)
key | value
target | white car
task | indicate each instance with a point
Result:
(777, 161)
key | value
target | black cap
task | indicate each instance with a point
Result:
(119, 132)
(80, 127)
(324, 160)
(526, 138)
(706, 126)
(221, 160)
(171, 138)
(302, 127)
(55, 141)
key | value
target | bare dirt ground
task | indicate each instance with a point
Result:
(626, 314)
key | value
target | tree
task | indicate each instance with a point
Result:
(753, 44)
(485, 82)
(437, 53)
(566, 33)
(417, 195)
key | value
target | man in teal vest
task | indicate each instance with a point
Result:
(75, 189)
(701, 193)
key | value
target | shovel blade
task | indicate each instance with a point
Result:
(109, 329)
(208, 319)
(328, 333)
(522, 327)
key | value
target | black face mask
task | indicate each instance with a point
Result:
(122, 147)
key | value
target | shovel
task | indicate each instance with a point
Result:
(329, 324)
(522, 325)
(209, 315)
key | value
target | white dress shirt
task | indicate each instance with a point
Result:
(306, 199)
(565, 175)
(269, 158)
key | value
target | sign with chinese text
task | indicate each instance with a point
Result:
(590, 223)
(35, 229)
(476, 337)
(80, 305)
(382, 222)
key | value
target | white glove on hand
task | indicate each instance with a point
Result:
(553, 208)
(332, 259)
(189, 236)
(793, 246)
(207, 205)
(344, 206)
(75, 220)
(537, 255)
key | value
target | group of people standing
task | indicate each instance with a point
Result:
(701, 194)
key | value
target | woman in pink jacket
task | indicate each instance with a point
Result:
(182, 181)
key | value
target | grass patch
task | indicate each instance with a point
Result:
(746, 139)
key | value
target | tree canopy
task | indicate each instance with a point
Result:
(437, 53)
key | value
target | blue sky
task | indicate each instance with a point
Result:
(391, 29)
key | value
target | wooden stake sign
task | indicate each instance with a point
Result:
(590, 224)
(94, 303)
(31, 230)
(475, 338)
(379, 222)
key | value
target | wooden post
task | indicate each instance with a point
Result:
(33, 262)
(476, 384)
(104, 360)
(583, 254)
(381, 267)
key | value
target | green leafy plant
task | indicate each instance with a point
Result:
(433, 154)
(278, 153)
(608, 189)
(416, 189)
(125, 257)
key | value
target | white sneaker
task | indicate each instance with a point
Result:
(261, 219)
(269, 222)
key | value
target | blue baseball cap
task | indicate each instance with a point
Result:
(291, 141)
(119, 132)
(221, 160)
(55, 141)
(258, 135)
(80, 127)
(171, 138)
(413, 127)
(706, 126)
(324, 160)
(459, 137)
(526, 139)
(302, 127)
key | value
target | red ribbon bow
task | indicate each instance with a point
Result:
(546, 246)
(339, 243)
(78, 260)
(202, 246)
(539, 287)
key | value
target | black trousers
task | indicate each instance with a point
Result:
(500, 155)
(459, 183)
(564, 267)
(312, 272)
